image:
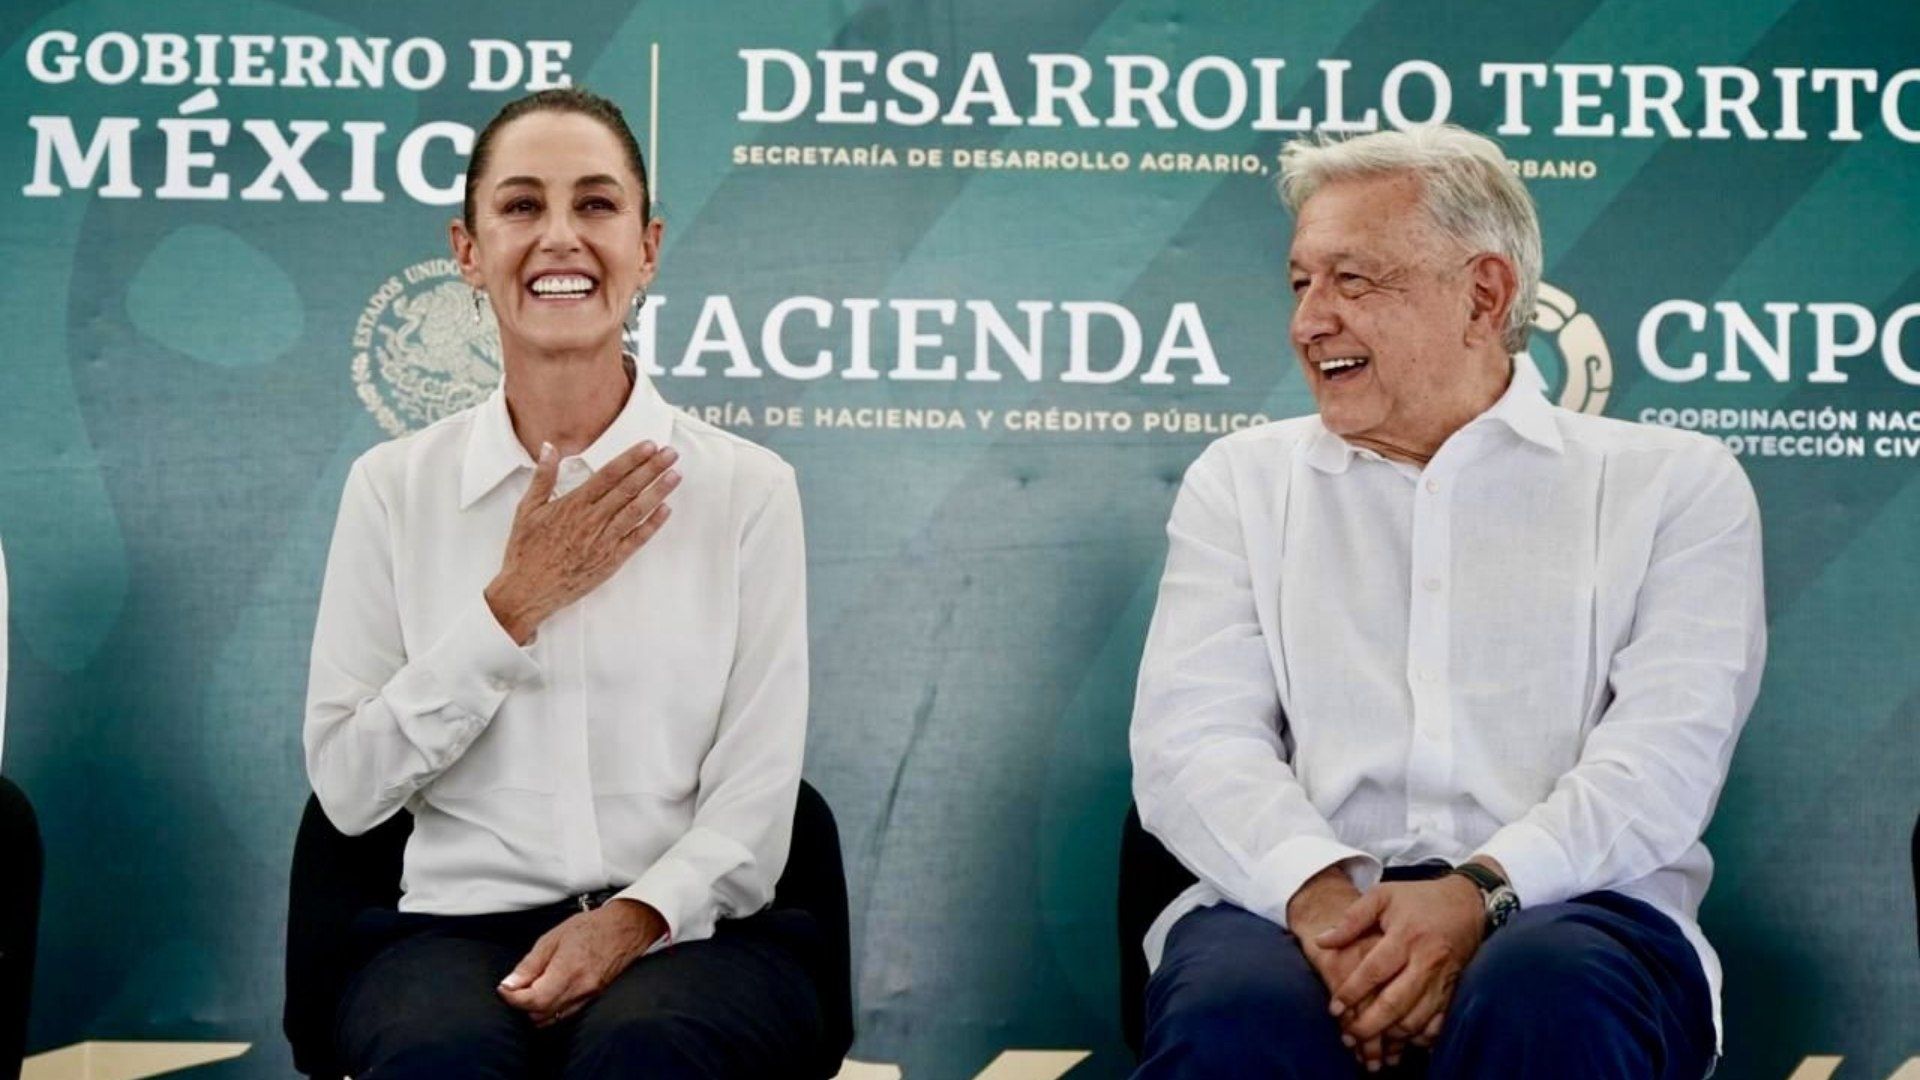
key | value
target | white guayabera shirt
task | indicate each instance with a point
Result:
(1540, 647)
(648, 739)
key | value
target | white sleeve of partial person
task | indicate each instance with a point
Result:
(381, 724)
(730, 858)
(1210, 775)
(1650, 772)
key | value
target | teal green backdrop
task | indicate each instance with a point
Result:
(990, 344)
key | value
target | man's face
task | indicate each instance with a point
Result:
(1381, 314)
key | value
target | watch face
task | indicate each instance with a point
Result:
(1501, 905)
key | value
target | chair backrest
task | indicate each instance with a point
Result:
(21, 863)
(336, 877)
(1150, 879)
(815, 881)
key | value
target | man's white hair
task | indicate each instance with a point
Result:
(1468, 188)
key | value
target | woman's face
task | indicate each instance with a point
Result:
(557, 242)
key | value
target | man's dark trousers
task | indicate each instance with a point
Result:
(1599, 986)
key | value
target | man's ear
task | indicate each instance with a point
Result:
(1494, 285)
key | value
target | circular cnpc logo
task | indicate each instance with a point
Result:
(1571, 353)
(423, 349)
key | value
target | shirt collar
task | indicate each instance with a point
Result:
(1522, 406)
(1329, 452)
(494, 451)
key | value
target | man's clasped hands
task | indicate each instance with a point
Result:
(1390, 957)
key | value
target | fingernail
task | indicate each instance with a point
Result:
(1336, 1008)
(670, 454)
(513, 982)
(546, 450)
(671, 477)
(1373, 1065)
(1393, 1059)
(1349, 1040)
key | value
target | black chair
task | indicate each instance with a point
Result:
(1150, 878)
(23, 863)
(336, 877)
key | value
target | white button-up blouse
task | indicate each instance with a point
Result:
(1541, 647)
(648, 739)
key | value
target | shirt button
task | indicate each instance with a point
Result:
(1433, 487)
(1422, 675)
(1432, 584)
(500, 684)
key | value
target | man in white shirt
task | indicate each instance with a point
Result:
(1443, 682)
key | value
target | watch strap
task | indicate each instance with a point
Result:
(1484, 876)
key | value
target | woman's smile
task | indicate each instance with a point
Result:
(562, 286)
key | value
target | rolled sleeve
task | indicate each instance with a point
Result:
(1294, 862)
(460, 681)
(1536, 865)
(680, 884)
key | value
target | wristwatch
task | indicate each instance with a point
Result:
(1501, 900)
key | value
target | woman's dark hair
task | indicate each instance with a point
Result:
(564, 99)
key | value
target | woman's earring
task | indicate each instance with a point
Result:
(478, 319)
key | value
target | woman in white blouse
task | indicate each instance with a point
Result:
(566, 628)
